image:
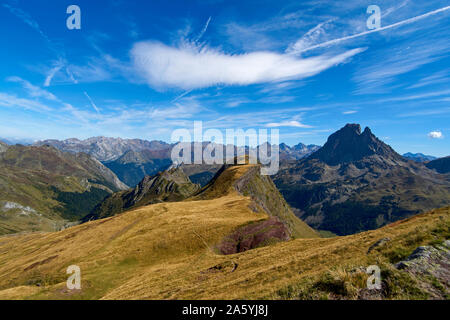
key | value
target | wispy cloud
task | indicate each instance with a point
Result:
(420, 96)
(33, 91)
(436, 78)
(26, 18)
(427, 112)
(399, 59)
(349, 112)
(292, 123)
(309, 39)
(12, 101)
(190, 67)
(51, 73)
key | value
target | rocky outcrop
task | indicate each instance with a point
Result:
(378, 244)
(428, 262)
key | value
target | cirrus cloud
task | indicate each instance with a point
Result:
(292, 123)
(192, 67)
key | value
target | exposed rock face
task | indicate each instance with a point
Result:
(377, 244)
(355, 182)
(441, 165)
(170, 185)
(428, 261)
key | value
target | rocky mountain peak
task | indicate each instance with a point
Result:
(349, 144)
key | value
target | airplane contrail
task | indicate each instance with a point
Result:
(203, 30)
(407, 21)
(92, 102)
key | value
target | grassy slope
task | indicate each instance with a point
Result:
(57, 185)
(165, 251)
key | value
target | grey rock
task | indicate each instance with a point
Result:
(377, 244)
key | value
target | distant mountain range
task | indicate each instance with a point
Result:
(419, 157)
(13, 141)
(356, 182)
(103, 148)
(132, 159)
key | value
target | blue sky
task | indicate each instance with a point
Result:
(141, 69)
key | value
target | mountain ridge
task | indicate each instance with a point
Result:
(167, 186)
(441, 165)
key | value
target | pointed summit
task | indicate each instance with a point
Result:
(349, 144)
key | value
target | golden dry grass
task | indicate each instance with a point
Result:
(166, 251)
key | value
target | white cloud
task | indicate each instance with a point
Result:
(51, 73)
(349, 112)
(435, 135)
(310, 39)
(292, 123)
(26, 18)
(7, 100)
(33, 91)
(192, 67)
(436, 78)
